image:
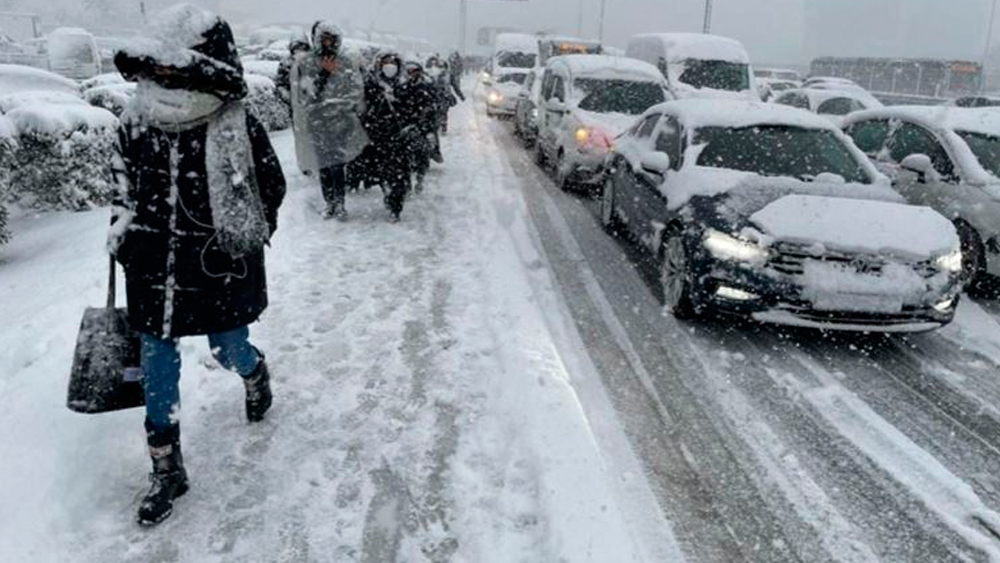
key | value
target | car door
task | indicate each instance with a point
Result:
(938, 191)
(555, 112)
(626, 190)
(544, 135)
(650, 205)
(521, 110)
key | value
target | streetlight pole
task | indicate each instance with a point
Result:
(708, 17)
(579, 20)
(600, 34)
(463, 16)
(986, 48)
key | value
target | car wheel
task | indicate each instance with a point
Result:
(974, 274)
(540, 159)
(609, 215)
(677, 279)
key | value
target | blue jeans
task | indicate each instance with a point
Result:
(161, 369)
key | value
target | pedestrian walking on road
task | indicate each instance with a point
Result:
(456, 68)
(327, 104)
(200, 188)
(419, 99)
(388, 124)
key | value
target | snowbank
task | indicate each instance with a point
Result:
(60, 119)
(11, 102)
(262, 68)
(858, 226)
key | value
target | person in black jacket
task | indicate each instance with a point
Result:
(283, 81)
(388, 125)
(419, 100)
(200, 191)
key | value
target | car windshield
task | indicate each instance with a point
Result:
(779, 150)
(717, 75)
(986, 148)
(618, 96)
(513, 59)
(515, 78)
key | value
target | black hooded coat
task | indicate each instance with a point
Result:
(179, 280)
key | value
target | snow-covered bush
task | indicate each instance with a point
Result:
(7, 145)
(112, 97)
(265, 103)
(262, 68)
(63, 156)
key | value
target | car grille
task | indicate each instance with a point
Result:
(791, 259)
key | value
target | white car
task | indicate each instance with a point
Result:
(777, 74)
(73, 53)
(947, 159)
(587, 101)
(831, 104)
(502, 91)
(526, 112)
(770, 212)
(698, 65)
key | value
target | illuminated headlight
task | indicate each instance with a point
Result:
(534, 113)
(951, 262)
(727, 247)
(494, 97)
(485, 76)
(582, 135)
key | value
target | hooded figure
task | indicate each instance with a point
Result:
(388, 125)
(327, 102)
(419, 106)
(200, 188)
(283, 81)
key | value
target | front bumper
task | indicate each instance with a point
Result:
(759, 293)
(588, 166)
(505, 106)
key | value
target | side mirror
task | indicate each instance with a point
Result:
(920, 164)
(656, 163)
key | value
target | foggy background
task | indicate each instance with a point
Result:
(774, 31)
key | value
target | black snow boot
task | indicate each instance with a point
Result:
(258, 386)
(169, 479)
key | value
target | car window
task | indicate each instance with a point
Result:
(839, 106)
(986, 148)
(618, 96)
(717, 75)
(869, 136)
(559, 89)
(795, 100)
(668, 140)
(547, 83)
(779, 150)
(645, 127)
(912, 139)
(516, 78)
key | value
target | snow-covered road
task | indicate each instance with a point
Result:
(492, 380)
(431, 404)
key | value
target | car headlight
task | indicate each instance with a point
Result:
(727, 247)
(534, 113)
(582, 135)
(951, 262)
(494, 97)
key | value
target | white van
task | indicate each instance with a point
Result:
(697, 65)
(514, 51)
(73, 53)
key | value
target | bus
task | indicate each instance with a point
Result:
(905, 79)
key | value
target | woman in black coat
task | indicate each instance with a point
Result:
(387, 125)
(201, 187)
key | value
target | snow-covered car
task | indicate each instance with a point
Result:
(831, 104)
(73, 53)
(769, 88)
(107, 79)
(829, 81)
(788, 75)
(587, 101)
(526, 111)
(979, 101)
(948, 159)
(698, 65)
(771, 212)
(501, 96)
(550, 46)
(18, 78)
(512, 51)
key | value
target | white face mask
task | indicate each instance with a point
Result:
(390, 70)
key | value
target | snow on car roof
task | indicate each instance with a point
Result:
(520, 42)
(606, 65)
(695, 113)
(12, 101)
(819, 95)
(6, 129)
(973, 120)
(18, 78)
(60, 119)
(70, 31)
(683, 46)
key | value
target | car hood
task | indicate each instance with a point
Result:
(857, 226)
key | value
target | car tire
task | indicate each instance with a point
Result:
(676, 276)
(540, 159)
(609, 215)
(975, 280)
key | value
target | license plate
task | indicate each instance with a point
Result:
(859, 303)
